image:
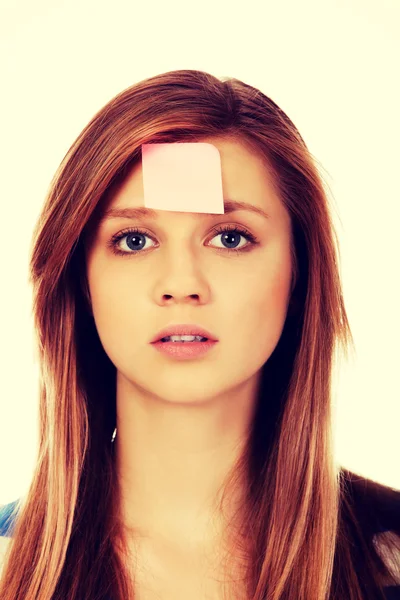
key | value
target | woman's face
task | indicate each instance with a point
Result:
(179, 270)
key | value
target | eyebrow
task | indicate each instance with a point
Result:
(142, 212)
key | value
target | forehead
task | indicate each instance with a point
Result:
(245, 177)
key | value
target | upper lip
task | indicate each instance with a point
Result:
(188, 329)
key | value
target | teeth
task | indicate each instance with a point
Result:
(183, 338)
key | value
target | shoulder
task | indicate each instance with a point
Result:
(376, 509)
(376, 506)
(8, 513)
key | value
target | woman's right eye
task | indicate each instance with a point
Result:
(114, 243)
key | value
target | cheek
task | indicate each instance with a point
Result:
(260, 311)
(262, 292)
(112, 288)
(113, 303)
(109, 296)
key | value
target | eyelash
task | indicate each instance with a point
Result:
(112, 244)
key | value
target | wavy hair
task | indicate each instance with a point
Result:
(301, 545)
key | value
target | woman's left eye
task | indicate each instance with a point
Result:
(130, 234)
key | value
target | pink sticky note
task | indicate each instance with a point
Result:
(182, 177)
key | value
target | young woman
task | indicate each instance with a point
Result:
(205, 478)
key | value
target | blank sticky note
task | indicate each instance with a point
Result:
(183, 177)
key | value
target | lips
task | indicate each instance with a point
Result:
(187, 329)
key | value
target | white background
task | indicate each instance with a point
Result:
(333, 67)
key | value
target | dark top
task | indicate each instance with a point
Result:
(377, 508)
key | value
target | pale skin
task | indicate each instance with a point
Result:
(181, 424)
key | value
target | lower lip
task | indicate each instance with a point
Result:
(185, 349)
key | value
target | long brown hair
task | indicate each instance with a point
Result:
(65, 538)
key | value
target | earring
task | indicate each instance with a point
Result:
(113, 435)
